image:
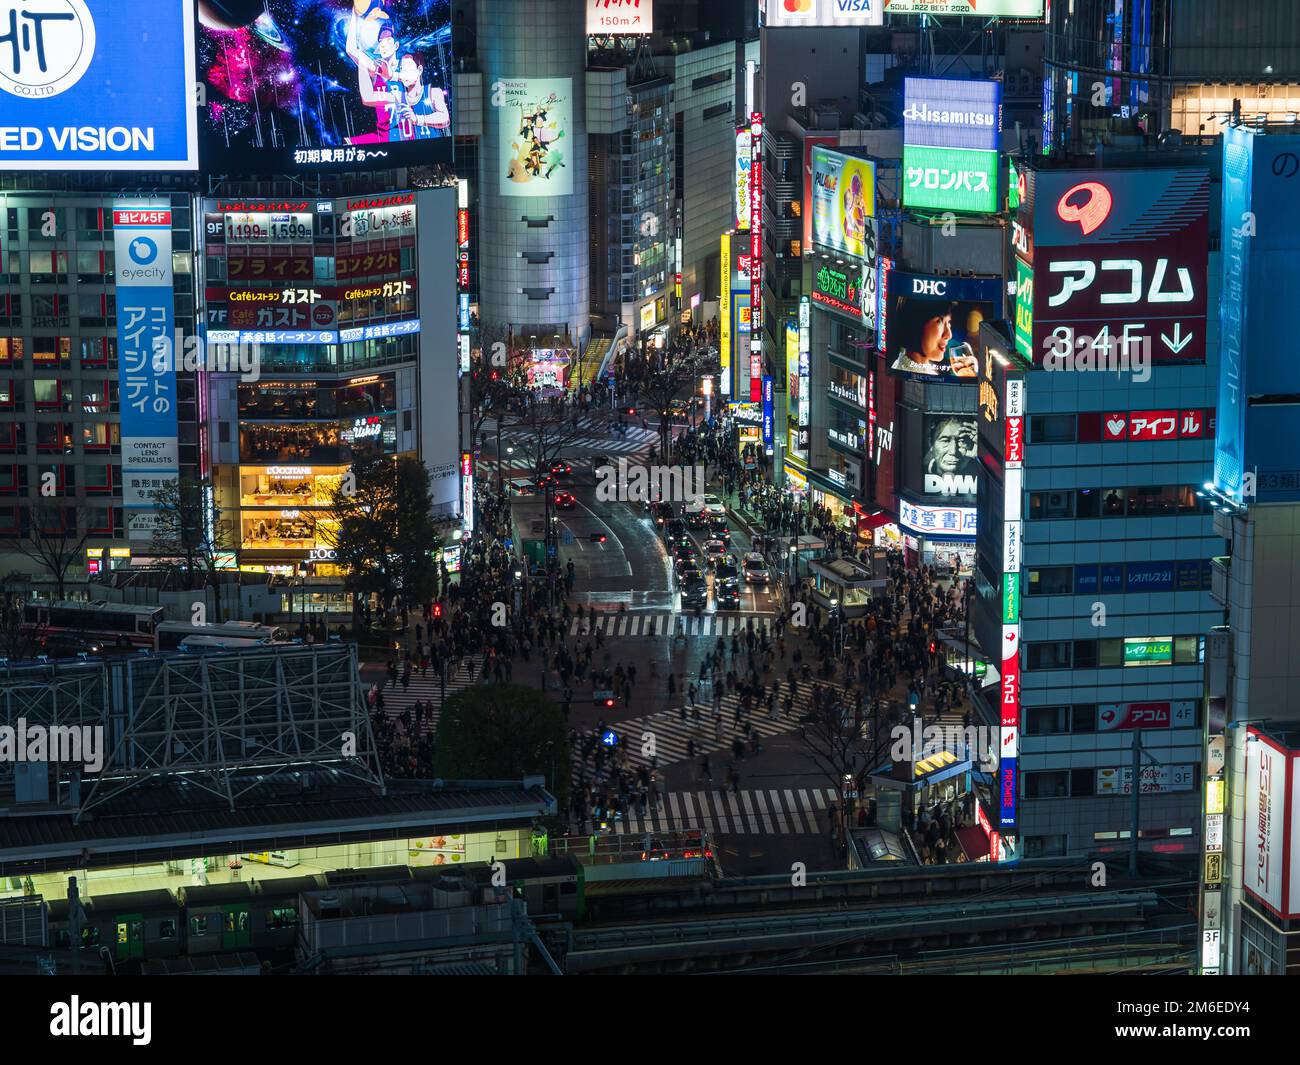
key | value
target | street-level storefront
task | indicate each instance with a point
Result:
(942, 537)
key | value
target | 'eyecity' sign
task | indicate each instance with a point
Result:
(93, 85)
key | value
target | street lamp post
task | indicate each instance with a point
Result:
(302, 572)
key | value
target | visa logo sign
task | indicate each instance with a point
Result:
(855, 7)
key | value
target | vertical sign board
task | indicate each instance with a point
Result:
(767, 414)
(146, 359)
(756, 257)
(724, 314)
(1012, 539)
(467, 491)
(744, 157)
(1264, 830)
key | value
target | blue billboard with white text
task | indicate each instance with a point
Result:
(97, 85)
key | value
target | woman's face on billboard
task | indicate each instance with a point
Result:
(935, 335)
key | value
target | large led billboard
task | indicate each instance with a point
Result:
(620, 16)
(823, 12)
(94, 85)
(288, 85)
(843, 203)
(974, 8)
(950, 144)
(950, 461)
(1119, 259)
(933, 323)
(1259, 291)
(535, 117)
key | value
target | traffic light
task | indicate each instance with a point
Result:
(598, 538)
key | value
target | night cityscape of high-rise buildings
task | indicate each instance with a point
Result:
(851, 419)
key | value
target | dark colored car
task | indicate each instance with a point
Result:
(697, 519)
(560, 468)
(662, 512)
(727, 593)
(694, 592)
(675, 530)
(719, 528)
(565, 501)
(68, 645)
(725, 569)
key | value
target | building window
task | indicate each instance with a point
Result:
(1052, 580)
(1045, 720)
(715, 111)
(1083, 718)
(1053, 654)
(1044, 846)
(1051, 504)
(1083, 782)
(1052, 429)
(1085, 654)
(1054, 784)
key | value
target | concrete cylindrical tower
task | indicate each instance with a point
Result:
(533, 198)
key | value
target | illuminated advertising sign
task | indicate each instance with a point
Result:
(467, 491)
(823, 12)
(89, 85)
(1156, 425)
(952, 113)
(844, 203)
(1010, 698)
(883, 389)
(1148, 651)
(1260, 280)
(744, 157)
(314, 336)
(809, 143)
(1265, 873)
(292, 84)
(756, 256)
(805, 370)
(934, 323)
(724, 312)
(1153, 780)
(533, 120)
(142, 244)
(945, 522)
(1010, 598)
(767, 414)
(950, 463)
(974, 8)
(851, 293)
(1114, 717)
(620, 16)
(948, 179)
(1120, 259)
(1024, 310)
(950, 144)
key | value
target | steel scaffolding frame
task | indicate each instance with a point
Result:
(225, 722)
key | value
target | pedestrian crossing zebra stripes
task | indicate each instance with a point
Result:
(666, 738)
(749, 812)
(667, 624)
(427, 688)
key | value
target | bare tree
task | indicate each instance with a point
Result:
(543, 428)
(841, 739)
(658, 390)
(190, 535)
(54, 536)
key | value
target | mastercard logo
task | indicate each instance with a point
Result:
(797, 7)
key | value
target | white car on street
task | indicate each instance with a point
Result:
(755, 569)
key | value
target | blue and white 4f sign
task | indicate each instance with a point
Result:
(97, 85)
